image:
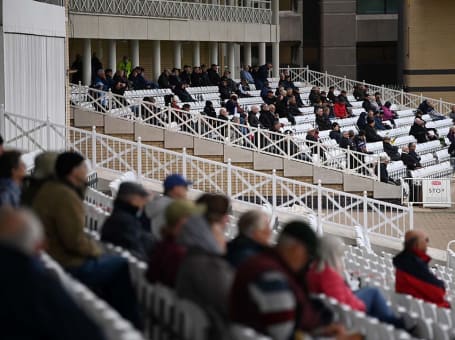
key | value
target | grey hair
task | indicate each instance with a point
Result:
(331, 253)
(26, 236)
(250, 221)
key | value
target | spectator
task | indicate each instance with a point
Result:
(390, 150)
(261, 75)
(413, 154)
(12, 173)
(120, 84)
(204, 237)
(331, 94)
(254, 236)
(265, 90)
(174, 78)
(44, 171)
(185, 76)
(205, 81)
(411, 162)
(370, 132)
(421, 133)
(388, 114)
(382, 172)
(2, 149)
(163, 79)
(427, 107)
(359, 92)
(100, 82)
(451, 137)
(274, 273)
(181, 92)
(369, 104)
(223, 114)
(292, 108)
(377, 99)
(109, 78)
(246, 75)
(362, 121)
(96, 65)
(243, 89)
(326, 276)
(452, 113)
(59, 205)
(323, 121)
(378, 122)
(196, 77)
(413, 275)
(224, 90)
(233, 106)
(123, 228)
(232, 86)
(335, 133)
(76, 70)
(266, 118)
(340, 109)
(253, 119)
(34, 303)
(167, 255)
(344, 96)
(175, 187)
(213, 75)
(314, 95)
(209, 110)
(125, 65)
(345, 141)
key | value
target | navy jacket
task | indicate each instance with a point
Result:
(34, 305)
(241, 248)
(124, 228)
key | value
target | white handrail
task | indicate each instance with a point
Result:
(333, 208)
(228, 132)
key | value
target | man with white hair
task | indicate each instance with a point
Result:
(34, 304)
(254, 235)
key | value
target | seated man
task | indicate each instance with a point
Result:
(275, 273)
(34, 303)
(123, 228)
(391, 150)
(412, 162)
(413, 275)
(382, 171)
(253, 237)
(421, 133)
(59, 205)
(167, 255)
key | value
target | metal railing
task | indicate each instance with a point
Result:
(226, 131)
(249, 11)
(401, 98)
(333, 208)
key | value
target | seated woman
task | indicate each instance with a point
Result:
(326, 276)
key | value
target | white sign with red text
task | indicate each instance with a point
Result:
(436, 193)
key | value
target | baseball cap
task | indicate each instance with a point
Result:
(181, 208)
(131, 188)
(302, 232)
(175, 180)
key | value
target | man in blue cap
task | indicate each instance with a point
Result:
(175, 187)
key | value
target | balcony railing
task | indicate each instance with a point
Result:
(53, 2)
(247, 11)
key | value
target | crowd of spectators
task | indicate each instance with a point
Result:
(179, 239)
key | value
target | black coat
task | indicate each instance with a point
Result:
(34, 305)
(267, 118)
(410, 161)
(214, 77)
(323, 123)
(419, 132)
(371, 135)
(123, 228)
(391, 151)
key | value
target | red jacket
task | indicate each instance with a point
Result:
(413, 277)
(330, 283)
(340, 110)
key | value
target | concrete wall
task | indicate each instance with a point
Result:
(338, 37)
(116, 27)
(372, 28)
(428, 48)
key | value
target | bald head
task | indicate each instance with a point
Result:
(416, 239)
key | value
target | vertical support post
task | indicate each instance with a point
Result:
(402, 97)
(307, 75)
(94, 161)
(273, 190)
(184, 162)
(379, 169)
(156, 69)
(135, 53)
(345, 84)
(2, 121)
(288, 149)
(48, 133)
(229, 178)
(325, 80)
(259, 138)
(196, 53)
(276, 59)
(109, 100)
(178, 54)
(411, 216)
(229, 127)
(348, 159)
(261, 53)
(87, 62)
(365, 211)
(79, 92)
(112, 54)
(247, 53)
(139, 159)
(214, 53)
(319, 216)
(440, 105)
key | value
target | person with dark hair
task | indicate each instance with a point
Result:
(278, 272)
(174, 78)
(266, 118)
(362, 121)
(413, 275)
(322, 121)
(254, 236)
(260, 77)
(421, 133)
(213, 75)
(12, 173)
(335, 133)
(331, 94)
(340, 109)
(124, 228)
(181, 92)
(370, 132)
(203, 235)
(175, 187)
(390, 150)
(163, 79)
(59, 205)
(167, 255)
(209, 110)
(185, 76)
(388, 114)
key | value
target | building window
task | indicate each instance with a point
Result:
(377, 6)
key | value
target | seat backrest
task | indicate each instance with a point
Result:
(190, 322)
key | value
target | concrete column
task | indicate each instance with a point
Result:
(177, 54)
(99, 51)
(214, 53)
(112, 63)
(222, 57)
(276, 59)
(196, 53)
(247, 53)
(156, 69)
(231, 58)
(275, 12)
(87, 62)
(261, 53)
(135, 53)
